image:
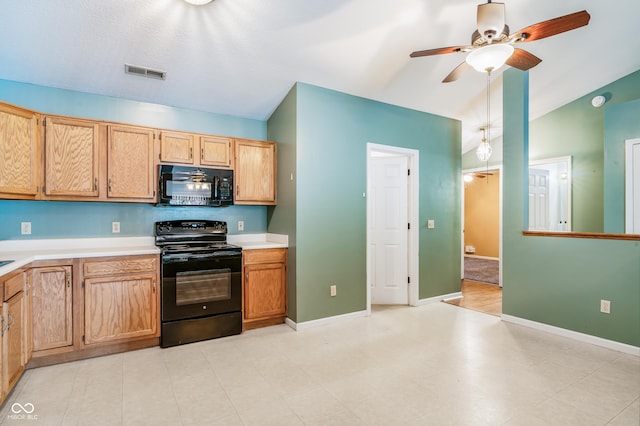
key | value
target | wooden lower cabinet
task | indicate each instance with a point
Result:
(13, 346)
(264, 287)
(52, 307)
(121, 299)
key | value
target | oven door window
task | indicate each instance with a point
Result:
(203, 286)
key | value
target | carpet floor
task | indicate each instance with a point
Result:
(481, 270)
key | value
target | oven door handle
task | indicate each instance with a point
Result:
(181, 257)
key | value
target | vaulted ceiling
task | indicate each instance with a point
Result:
(241, 57)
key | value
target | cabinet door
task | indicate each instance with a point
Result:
(120, 308)
(176, 147)
(27, 329)
(130, 165)
(265, 293)
(51, 296)
(18, 152)
(71, 157)
(255, 172)
(216, 152)
(12, 347)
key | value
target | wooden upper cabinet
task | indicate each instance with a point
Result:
(19, 152)
(130, 165)
(255, 172)
(197, 150)
(216, 152)
(71, 157)
(176, 147)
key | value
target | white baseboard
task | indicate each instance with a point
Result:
(587, 338)
(325, 321)
(436, 299)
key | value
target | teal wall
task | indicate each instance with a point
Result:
(560, 281)
(622, 122)
(89, 219)
(281, 219)
(332, 132)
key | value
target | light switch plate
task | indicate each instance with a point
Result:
(115, 227)
(431, 223)
(241, 225)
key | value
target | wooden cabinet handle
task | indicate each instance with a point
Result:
(201, 154)
(191, 153)
(3, 326)
(68, 279)
(109, 184)
(95, 184)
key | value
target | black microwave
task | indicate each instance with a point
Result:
(195, 186)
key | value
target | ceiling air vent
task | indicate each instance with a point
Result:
(145, 72)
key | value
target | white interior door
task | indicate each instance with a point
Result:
(632, 186)
(388, 231)
(538, 199)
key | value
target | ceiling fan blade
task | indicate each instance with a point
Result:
(522, 60)
(456, 73)
(552, 27)
(439, 51)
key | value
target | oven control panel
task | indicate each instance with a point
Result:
(172, 227)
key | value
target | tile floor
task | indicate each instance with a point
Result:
(431, 365)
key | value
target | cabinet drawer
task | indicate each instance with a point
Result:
(13, 286)
(265, 256)
(120, 266)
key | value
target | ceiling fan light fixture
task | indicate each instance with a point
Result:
(491, 20)
(489, 58)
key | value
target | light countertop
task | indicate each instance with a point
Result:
(259, 241)
(23, 252)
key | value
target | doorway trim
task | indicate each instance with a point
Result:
(497, 167)
(413, 162)
(630, 192)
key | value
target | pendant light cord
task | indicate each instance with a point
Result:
(488, 131)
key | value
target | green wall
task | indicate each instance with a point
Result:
(622, 122)
(52, 219)
(332, 132)
(579, 130)
(560, 281)
(281, 219)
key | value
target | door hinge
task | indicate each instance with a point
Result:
(408, 280)
(408, 172)
(83, 338)
(408, 225)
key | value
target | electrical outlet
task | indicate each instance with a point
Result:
(333, 290)
(241, 225)
(25, 228)
(115, 227)
(605, 306)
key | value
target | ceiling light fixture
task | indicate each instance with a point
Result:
(198, 2)
(489, 58)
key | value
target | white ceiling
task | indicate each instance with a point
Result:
(241, 57)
